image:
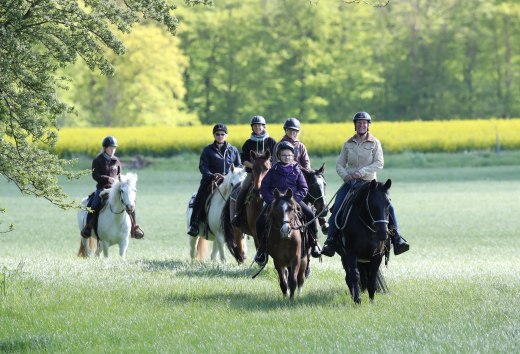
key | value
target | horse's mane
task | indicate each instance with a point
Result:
(128, 178)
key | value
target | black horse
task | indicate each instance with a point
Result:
(364, 238)
(315, 197)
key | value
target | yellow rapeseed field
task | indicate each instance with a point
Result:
(320, 139)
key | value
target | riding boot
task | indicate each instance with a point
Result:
(136, 231)
(313, 242)
(328, 247)
(261, 256)
(86, 232)
(400, 244)
(194, 221)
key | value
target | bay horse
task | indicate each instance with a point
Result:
(286, 246)
(212, 229)
(364, 238)
(114, 224)
(235, 239)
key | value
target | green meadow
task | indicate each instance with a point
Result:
(456, 290)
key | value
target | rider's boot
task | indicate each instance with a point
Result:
(86, 232)
(315, 247)
(136, 231)
(400, 244)
(261, 256)
(194, 229)
(328, 247)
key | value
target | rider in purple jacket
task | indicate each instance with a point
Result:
(282, 176)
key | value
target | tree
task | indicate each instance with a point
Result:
(36, 38)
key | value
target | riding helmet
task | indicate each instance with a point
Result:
(362, 116)
(219, 127)
(109, 141)
(257, 120)
(292, 123)
(284, 145)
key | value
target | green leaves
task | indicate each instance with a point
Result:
(36, 38)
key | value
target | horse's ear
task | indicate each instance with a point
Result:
(119, 178)
(267, 154)
(321, 170)
(289, 193)
(276, 193)
(253, 154)
(373, 184)
(232, 168)
(388, 184)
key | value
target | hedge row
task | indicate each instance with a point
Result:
(320, 139)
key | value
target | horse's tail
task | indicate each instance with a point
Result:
(364, 269)
(229, 235)
(82, 252)
(381, 286)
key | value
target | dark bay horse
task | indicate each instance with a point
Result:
(364, 237)
(252, 208)
(286, 246)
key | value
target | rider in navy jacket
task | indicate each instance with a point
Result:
(282, 176)
(215, 161)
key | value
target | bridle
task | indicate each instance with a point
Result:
(373, 222)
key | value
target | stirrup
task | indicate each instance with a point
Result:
(261, 258)
(328, 250)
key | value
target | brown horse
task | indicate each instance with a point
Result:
(252, 208)
(286, 246)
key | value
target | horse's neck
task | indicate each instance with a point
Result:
(114, 197)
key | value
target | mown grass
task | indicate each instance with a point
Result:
(457, 290)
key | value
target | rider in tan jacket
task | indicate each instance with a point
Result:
(360, 158)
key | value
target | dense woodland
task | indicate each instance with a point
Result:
(316, 60)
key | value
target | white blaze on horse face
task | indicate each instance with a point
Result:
(285, 230)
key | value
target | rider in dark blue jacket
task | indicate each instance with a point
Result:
(215, 161)
(282, 176)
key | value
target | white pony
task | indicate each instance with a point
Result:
(216, 204)
(114, 223)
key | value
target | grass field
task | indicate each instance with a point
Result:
(457, 290)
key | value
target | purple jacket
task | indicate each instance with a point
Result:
(284, 177)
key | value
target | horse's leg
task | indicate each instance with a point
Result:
(293, 274)
(372, 276)
(99, 247)
(301, 273)
(123, 246)
(282, 276)
(105, 248)
(351, 275)
(220, 243)
(193, 246)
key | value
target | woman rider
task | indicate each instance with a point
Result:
(215, 161)
(360, 158)
(292, 129)
(260, 142)
(106, 167)
(283, 175)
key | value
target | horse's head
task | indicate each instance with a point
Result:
(283, 212)
(126, 185)
(316, 195)
(261, 164)
(378, 207)
(234, 177)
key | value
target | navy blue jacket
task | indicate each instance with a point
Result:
(214, 160)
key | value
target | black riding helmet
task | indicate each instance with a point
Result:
(362, 116)
(292, 123)
(257, 120)
(220, 127)
(284, 145)
(109, 141)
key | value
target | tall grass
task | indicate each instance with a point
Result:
(456, 290)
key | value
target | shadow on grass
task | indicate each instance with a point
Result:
(29, 343)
